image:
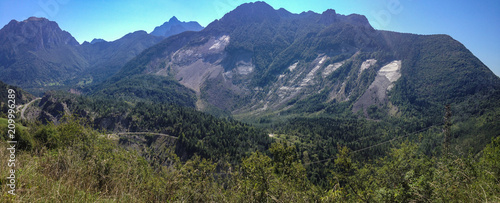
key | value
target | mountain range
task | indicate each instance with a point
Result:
(37, 55)
(254, 63)
(257, 61)
(260, 105)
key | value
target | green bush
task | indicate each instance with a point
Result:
(48, 136)
(25, 140)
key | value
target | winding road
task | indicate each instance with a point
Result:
(25, 106)
(112, 136)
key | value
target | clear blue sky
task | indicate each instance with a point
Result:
(476, 24)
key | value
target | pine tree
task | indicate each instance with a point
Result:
(446, 130)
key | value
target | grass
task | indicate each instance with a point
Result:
(5, 122)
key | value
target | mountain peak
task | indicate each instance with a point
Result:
(255, 7)
(97, 40)
(359, 20)
(174, 26)
(174, 20)
(257, 4)
(330, 12)
(33, 18)
(249, 13)
(40, 33)
(328, 17)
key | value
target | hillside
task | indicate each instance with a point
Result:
(21, 97)
(37, 55)
(262, 105)
(326, 80)
(257, 62)
(70, 161)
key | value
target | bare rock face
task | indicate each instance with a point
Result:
(200, 67)
(52, 110)
(191, 66)
(383, 83)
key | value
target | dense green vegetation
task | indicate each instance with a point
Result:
(322, 158)
(150, 88)
(198, 133)
(72, 162)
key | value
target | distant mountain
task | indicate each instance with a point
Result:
(37, 55)
(258, 62)
(106, 58)
(97, 41)
(36, 52)
(174, 26)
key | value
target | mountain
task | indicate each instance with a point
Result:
(106, 58)
(258, 62)
(37, 55)
(174, 26)
(36, 52)
(97, 41)
(339, 112)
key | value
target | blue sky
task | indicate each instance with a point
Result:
(476, 24)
